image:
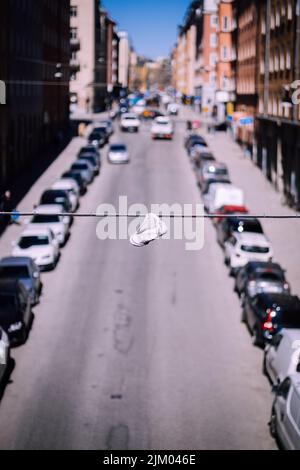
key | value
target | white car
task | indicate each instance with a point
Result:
(129, 122)
(71, 187)
(282, 355)
(4, 353)
(50, 216)
(39, 244)
(162, 128)
(173, 109)
(243, 247)
(118, 153)
(222, 194)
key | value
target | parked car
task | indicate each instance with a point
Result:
(71, 188)
(201, 158)
(237, 224)
(56, 196)
(285, 415)
(88, 149)
(129, 123)
(50, 216)
(106, 124)
(24, 270)
(4, 353)
(205, 189)
(85, 168)
(282, 355)
(92, 159)
(228, 210)
(209, 170)
(98, 139)
(267, 314)
(39, 244)
(118, 153)
(162, 128)
(243, 247)
(15, 311)
(220, 194)
(76, 176)
(194, 139)
(173, 109)
(258, 277)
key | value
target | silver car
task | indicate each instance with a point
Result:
(85, 168)
(4, 353)
(118, 153)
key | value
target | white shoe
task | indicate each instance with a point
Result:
(150, 229)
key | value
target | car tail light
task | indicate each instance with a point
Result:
(268, 325)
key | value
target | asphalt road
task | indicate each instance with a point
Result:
(137, 348)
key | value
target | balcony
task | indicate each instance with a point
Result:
(75, 44)
(74, 65)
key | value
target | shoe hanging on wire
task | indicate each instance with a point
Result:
(150, 229)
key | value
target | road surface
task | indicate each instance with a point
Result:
(137, 348)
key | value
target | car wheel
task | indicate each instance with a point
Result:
(243, 316)
(255, 337)
(273, 423)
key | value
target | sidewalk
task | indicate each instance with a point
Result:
(61, 164)
(261, 198)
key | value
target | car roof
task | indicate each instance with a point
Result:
(65, 182)
(15, 261)
(49, 209)
(284, 300)
(32, 231)
(293, 334)
(263, 265)
(250, 237)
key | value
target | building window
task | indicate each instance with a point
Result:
(213, 59)
(213, 40)
(213, 79)
(74, 11)
(214, 21)
(224, 53)
(73, 33)
(225, 21)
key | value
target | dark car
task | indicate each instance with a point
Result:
(76, 176)
(228, 226)
(92, 159)
(261, 277)
(98, 139)
(194, 139)
(88, 149)
(15, 311)
(201, 158)
(56, 196)
(266, 314)
(26, 271)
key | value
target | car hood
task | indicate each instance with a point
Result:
(33, 251)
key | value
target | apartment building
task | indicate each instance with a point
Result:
(207, 55)
(124, 58)
(277, 124)
(87, 64)
(248, 39)
(34, 63)
(226, 58)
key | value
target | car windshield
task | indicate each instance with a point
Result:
(80, 166)
(12, 272)
(118, 148)
(217, 171)
(272, 276)
(27, 242)
(163, 123)
(45, 219)
(255, 249)
(52, 198)
(245, 225)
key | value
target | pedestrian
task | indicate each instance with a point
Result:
(7, 206)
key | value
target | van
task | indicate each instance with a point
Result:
(285, 416)
(220, 194)
(282, 355)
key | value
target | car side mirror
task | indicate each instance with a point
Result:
(275, 389)
(35, 275)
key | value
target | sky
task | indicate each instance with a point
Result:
(151, 24)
